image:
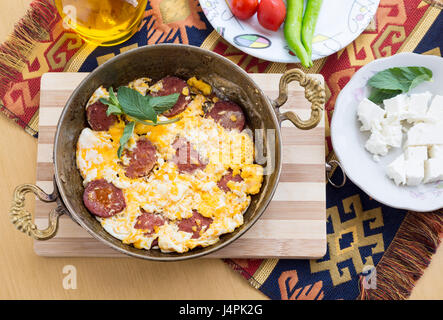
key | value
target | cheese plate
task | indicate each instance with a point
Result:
(349, 141)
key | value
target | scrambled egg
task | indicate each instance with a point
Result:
(165, 190)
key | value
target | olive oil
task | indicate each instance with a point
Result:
(102, 22)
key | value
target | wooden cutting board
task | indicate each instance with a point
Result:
(293, 226)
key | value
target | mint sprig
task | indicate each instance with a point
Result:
(142, 109)
(388, 83)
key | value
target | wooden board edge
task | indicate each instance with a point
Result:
(107, 252)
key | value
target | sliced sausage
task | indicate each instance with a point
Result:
(228, 114)
(147, 221)
(154, 243)
(103, 199)
(172, 85)
(141, 159)
(223, 183)
(194, 224)
(186, 156)
(97, 118)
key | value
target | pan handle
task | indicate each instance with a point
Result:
(22, 219)
(314, 93)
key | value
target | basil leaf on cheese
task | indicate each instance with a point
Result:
(142, 107)
(393, 81)
(112, 109)
(379, 95)
(127, 134)
(134, 104)
(112, 96)
(138, 108)
(112, 103)
(164, 103)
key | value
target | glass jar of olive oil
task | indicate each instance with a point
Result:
(102, 22)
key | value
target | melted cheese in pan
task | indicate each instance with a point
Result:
(165, 190)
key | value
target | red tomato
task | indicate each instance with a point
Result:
(271, 14)
(244, 9)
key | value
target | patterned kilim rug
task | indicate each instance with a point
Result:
(362, 233)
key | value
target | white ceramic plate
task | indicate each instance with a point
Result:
(348, 141)
(339, 23)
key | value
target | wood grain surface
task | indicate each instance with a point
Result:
(293, 226)
(24, 275)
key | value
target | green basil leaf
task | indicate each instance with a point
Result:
(378, 95)
(134, 104)
(141, 108)
(112, 96)
(164, 103)
(420, 79)
(127, 134)
(400, 78)
(113, 110)
(112, 103)
(106, 102)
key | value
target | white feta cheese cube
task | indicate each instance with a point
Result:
(422, 134)
(396, 107)
(396, 170)
(418, 106)
(369, 113)
(415, 172)
(436, 151)
(391, 130)
(376, 144)
(435, 111)
(416, 152)
(433, 170)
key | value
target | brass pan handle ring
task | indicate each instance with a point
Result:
(22, 219)
(314, 93)
(330, 169)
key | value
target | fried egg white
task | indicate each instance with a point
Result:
(165, 190)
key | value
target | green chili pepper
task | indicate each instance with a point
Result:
(292, 30)
(309, 22)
